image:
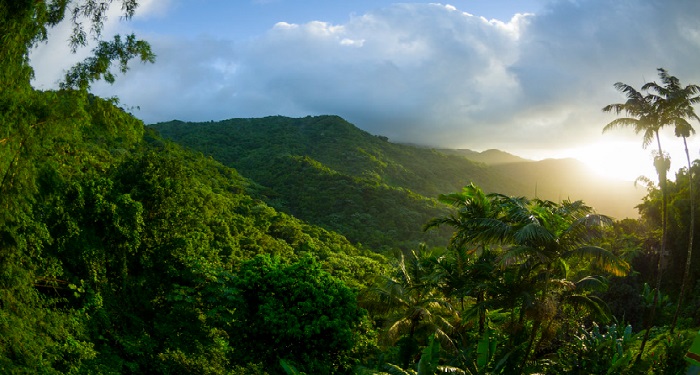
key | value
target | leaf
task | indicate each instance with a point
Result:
(483, 350)
(289, 368)
(430, 357)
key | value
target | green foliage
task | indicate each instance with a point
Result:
(294, 312)
(410, 305)
(98, 66)
(594, 352)
(516, 278)
(329, 173)
(123, 253)
(666, 352)
(118, 248)
(486, 349)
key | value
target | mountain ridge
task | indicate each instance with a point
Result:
(334, 161)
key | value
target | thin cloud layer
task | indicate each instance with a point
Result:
(428, 73)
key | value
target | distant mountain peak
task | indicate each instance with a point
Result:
(490, 157)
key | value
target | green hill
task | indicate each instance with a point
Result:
(119, 248)
(330, 173)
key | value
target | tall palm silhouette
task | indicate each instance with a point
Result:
(678, 104)
(645, 114)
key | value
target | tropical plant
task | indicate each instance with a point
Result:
(645, 115)
(544, 237)
(467, 270)
(429, 363)
(536, 243)
(677, 103)
(411, 305)
(596, 351)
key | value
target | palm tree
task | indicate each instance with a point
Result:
(543, 237)
(537, 239)
(645, 115)
(678, 103)
(473, 205)
(411, 304)
(466, 270)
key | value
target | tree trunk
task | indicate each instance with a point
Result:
(533, 336)
(660, 164)
(689, 257)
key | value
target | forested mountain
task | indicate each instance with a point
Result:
(327, 171)
(122, 252)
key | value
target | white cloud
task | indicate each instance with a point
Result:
(149, 9)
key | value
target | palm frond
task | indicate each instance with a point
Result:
(586, 227)
(592, 283)
(602, 259)
(520, 254)
(591, 304)
(445, 339)
(398, 329)
(533, 234)
(490, 230)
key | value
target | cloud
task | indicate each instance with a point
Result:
(51, 59)
(429, 73)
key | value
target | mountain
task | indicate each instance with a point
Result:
(328, 172)
(490, 157)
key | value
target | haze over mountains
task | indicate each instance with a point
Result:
(249, 145)
(490, 157)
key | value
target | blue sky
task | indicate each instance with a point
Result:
(240, 19)
(529, 77)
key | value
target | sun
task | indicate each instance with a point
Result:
(618, 160)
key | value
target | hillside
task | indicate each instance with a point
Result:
(119, 246)
(335, 143)
(329, 173)
(490, 157)
(373, 191)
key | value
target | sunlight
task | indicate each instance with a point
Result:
(621, 160)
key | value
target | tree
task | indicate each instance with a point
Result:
(542, 238)
(677, 102)
(40, 133)
(411, 305)
(469, 276)
(645, 115)
(537, 243)
(29, 21)
(295, 312)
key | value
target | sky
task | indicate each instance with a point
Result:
(529, 77)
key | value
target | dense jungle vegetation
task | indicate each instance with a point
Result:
(124, 252)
